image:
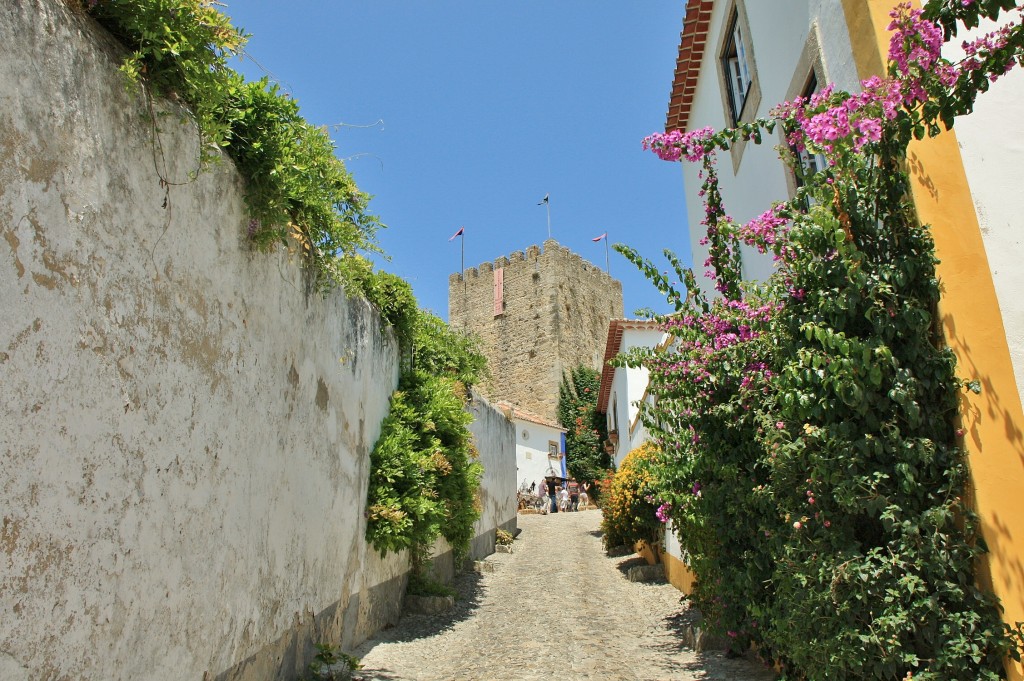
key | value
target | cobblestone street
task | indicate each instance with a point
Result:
(557, 607)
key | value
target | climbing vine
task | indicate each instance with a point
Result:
(424, 472)
(807, 427)
(586, 430)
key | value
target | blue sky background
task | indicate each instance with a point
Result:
(486, 107)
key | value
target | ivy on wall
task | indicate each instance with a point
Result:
(299, 193)
(424, 470)
(586, 430)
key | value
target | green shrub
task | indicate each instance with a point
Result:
(628, 504)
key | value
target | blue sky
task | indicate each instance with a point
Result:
(486, 107)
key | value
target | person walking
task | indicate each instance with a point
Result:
(585, 496)
(553, 495)
(574, 495)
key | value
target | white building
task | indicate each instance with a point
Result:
(737, 60)
(624, 388)
(540, 446)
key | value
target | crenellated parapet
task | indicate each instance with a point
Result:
(538, 312)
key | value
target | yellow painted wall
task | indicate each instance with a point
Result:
(973, 328)
(678, 574)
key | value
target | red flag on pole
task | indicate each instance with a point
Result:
(461, 231)
(598, 238)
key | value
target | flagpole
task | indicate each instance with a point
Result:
(607, 260)
(465, 286)
(547, 206)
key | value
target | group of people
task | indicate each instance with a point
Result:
(567, 496)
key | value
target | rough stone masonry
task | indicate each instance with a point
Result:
(538, 313)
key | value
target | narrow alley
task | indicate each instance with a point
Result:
(555, 608)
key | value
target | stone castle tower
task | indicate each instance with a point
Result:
(538, 313)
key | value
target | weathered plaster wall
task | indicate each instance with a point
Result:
(495, 439)
(184, 429)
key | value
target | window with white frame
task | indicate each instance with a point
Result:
(737, 67)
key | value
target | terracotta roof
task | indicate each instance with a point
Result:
(692, 40)
(611, 348)
(519, 414)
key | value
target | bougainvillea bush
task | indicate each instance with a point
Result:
(807, 427)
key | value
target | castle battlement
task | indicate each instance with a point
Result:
(549, 313)
(550, 250)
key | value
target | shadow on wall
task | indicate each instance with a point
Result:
(994, 409)
(289, 655)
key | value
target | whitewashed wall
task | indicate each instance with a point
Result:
(495, 437)
(532, 461)
(993, 172)
(779, 33)
(184, 428)
(627, 389)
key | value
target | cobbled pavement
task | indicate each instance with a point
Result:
(555, 608)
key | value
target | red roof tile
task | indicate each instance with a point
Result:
(611, 348)
(692, 40)
(518, 414)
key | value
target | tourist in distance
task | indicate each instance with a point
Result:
(574, 495)
(552, 494)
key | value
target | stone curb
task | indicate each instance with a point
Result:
(646, 573)
(482, 566)
(428, 605)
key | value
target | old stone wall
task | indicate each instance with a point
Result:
(184, 428)
(554, 316)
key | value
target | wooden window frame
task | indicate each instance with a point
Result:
(737, 21)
